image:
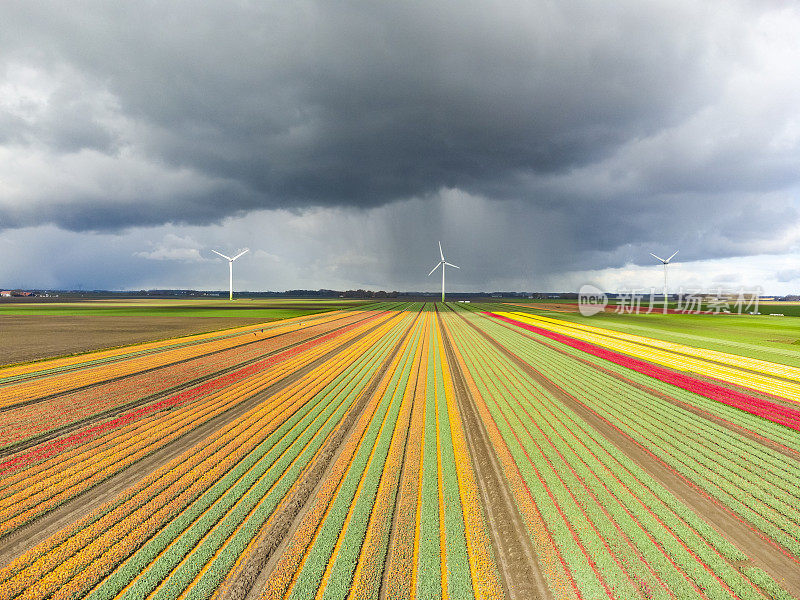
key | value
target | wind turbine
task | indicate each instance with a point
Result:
(230, 264)
(665, 263)
(442, 264)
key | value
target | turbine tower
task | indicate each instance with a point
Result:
(665, 263)
(442, 263)
(230, 265)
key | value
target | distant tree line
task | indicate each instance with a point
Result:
(369, 294)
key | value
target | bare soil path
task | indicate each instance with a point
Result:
(519, 568)
(778, 563)
(271, 541)
(772, 444)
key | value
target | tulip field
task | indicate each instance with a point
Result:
(402, 451)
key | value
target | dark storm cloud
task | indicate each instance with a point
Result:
(576, 135)
(356, 103)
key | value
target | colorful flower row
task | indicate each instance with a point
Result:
(784, 415)
(270, 369)
(30, 420)
(32, 389)
(735, 360)
(41, 489)
(483, 569)
(775, 386)
(626, 526)
(276, 410)
(369, 569)
(59, 364)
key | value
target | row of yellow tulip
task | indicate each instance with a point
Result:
(331, 523)
(32, 389)
(484, 571)
(426, 534)
(206, 578)
(91, 450)
(620, 533)
(369, 570)
(734, 360)
(397, 395)
(38, 489)
(284, 572)
(73, 561)
(401, 573)
(27, 421)
(681, 362)
(77, 361)
(551, 561)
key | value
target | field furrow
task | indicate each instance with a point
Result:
(402, 451)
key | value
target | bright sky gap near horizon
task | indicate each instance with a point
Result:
(545, 144)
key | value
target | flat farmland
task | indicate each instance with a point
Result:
(32, 331)
(390, 450)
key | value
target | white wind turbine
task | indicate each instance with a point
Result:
(665, 263)
(442, 264)
(230, 264)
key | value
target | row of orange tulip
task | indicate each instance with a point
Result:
(621, 533)
(283, 574)
(485, 578)
(345, 549)
(360, 369)
(82, 459)
(558, 577)
(27, 390)
(124, 524)
(353, 512)
(180, 479)
(300, 395)
(369, 570)
(401, 559)
(78, 361)
(89, 451)
(44, 486)
(29, 420)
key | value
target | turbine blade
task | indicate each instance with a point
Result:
(673, 256)
(434, 268)
(440, 251)
(245, 251)
(222, 255)
(451, 265)
(657, 257)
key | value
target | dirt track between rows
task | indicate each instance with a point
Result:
(786, 451)
(25, 538)
(249, 578)
(764, 554)
(517, 563)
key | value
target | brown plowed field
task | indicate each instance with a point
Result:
(27, 338)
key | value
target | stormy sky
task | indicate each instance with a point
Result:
(546, 144)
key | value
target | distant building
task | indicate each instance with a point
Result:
(6, 294)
